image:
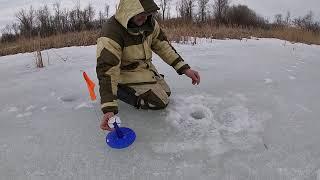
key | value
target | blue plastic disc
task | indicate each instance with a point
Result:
(114, 141)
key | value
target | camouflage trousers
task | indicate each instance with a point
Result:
(146, 96)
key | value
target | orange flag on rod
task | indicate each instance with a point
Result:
(90, 85)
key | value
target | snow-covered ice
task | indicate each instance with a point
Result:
(13, 109)
(268, 80)
(250, 118)
(292, 77)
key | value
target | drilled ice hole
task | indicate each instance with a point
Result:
(198, 114)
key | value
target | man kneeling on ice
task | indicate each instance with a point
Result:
(124, 60)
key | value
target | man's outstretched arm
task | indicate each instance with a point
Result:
(109, 52)
(162, 47)
(108, 72)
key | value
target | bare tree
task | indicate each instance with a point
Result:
(278, 20)
(31, 17)
(26, 21)
(168, 12)
(75, 18)
(90, 11)
(107, 10)
(190, 6)
(7, 34)
(87, 16)
(65, 24)
(202, 8)
(15, 28)
(6, 30)
(103, 15)
(220, 9)
(307, 22)
(57, 16)
(43, 20)
(241, 15)
(164, 5)
(287, 19)
(101, 19)
(180, 9)
(185, 9)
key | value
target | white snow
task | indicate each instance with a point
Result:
(29, 108)
(13, 109)
(292, 77)
(250, 118)
(44, 108)
(268, 80)
(24, 115)
(83, 105)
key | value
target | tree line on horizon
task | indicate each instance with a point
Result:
(47, 21)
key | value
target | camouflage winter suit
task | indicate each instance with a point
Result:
(124, 59)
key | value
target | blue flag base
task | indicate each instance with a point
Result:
(120, 137)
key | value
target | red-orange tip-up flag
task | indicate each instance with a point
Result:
(90, 85)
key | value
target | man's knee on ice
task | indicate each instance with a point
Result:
(154, 100)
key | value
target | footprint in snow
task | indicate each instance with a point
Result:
(198, 114)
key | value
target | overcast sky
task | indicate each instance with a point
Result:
(266, 8)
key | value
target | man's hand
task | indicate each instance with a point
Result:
(194, 75)
(104, 122)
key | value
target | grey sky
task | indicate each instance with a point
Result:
(266, 8)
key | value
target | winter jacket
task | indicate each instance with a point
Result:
(124, 52)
